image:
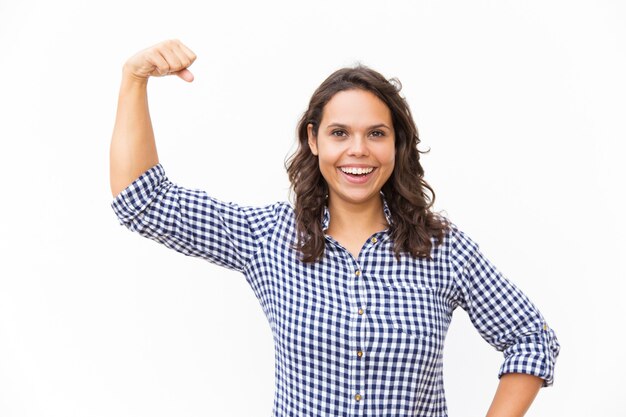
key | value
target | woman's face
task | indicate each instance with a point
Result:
(355, 146)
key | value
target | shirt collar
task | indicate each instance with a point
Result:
(386, 211)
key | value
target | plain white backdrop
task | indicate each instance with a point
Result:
(522, 104)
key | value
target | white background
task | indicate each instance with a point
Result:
(522, 104)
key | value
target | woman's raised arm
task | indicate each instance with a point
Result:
(133, 148)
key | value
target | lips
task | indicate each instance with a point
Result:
(356, 170)
(356, 175)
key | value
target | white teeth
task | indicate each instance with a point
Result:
(357, 171)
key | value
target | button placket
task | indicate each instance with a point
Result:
(356, 359)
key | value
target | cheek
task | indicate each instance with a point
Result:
(390, 169)
(389, 160)
(325, 162)
(327, 157)
(388, 157)
(326, 166)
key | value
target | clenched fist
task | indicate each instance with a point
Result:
(165, 58)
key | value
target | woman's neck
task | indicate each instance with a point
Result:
(364, 218)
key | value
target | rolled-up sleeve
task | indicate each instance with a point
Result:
(191, 222)
(503, 314)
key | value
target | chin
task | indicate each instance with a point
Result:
(355, 198)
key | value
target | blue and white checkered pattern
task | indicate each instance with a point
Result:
(353, 337)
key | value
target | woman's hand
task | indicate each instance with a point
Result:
(165, 58)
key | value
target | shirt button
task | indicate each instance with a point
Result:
(358, 397)
(545, 327)
(360, 311)
(374, 240)
(357, 272)
(359, 353)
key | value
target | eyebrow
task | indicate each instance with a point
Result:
(341, 125)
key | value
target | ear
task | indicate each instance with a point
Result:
(312, 139)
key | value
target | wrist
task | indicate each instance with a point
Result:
(132, 80)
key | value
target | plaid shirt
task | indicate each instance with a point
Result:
(352, 337)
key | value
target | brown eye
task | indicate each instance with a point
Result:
(378, 133)
(339, 133)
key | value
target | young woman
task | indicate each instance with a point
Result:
(359, 280)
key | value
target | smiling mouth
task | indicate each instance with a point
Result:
(356, 171)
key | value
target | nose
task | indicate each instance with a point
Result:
(358, 146)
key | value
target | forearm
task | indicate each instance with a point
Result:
(514, 395)
(133, 148)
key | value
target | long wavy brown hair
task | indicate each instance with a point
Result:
(408, 196)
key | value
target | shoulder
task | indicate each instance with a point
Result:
(284, 210)
(457, 245)
(280, 211)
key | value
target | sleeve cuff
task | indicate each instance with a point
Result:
(139, 194)
(535, 354)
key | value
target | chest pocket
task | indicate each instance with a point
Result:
(417, 311)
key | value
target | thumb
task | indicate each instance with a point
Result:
(185, 74)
